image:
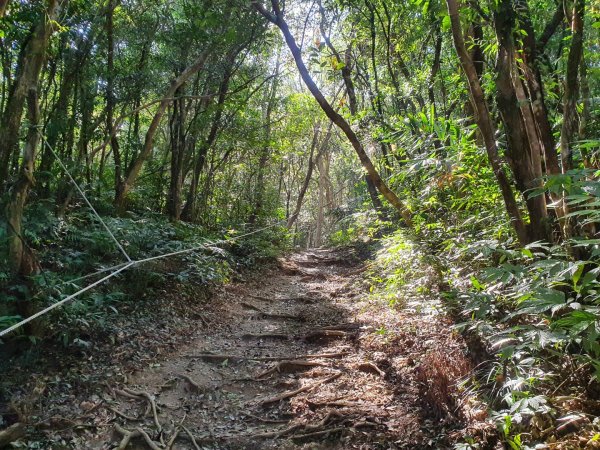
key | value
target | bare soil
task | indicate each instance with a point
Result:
(297, 358)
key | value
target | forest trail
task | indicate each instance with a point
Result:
(301, 360)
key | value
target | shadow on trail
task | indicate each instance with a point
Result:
(300, 361)
(299, 357)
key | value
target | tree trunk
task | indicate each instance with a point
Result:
(3, 7)
(524, 146)
(178, 147)
(259, 193)
(309, 171)
(136, 165)
(571, 94)
(485, 123)
(21, 259)
(337, 119)
(110, 95)
(28, 74)
(190, 208)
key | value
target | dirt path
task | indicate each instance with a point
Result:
(302, 361)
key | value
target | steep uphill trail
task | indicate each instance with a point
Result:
(301, 358)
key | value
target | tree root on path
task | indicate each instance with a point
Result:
(129, 435)
(264, 315)
(309, 431)
(371, 368)
(263, 420)
(307, 277)
(126, 392)
(289, 430)
(324, 335)
(288, 366)
(122, 414)
(300, 298)
(252, 307)
(289, 394)
(260, 297)
(282, 337)
(323, 434)
(192, 438)
(195, 386)
(219, 358)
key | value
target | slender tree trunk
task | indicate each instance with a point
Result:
(136, 165)
(28, 74)
(178, 147)
(3, 7)
(190, 208)
(485, 123)
(264, 153)
(571, 94)
(277, 19)
(110, 95)
(309, 171)
(524, 145)
(22, 261)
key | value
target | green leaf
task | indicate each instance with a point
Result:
(446, 23)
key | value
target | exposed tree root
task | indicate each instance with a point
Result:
(282, 337)
(275, 434)
(153, 445)
(288, 366)
(318, 434)
(324, 335)
(126, 394)
(176, 433)
(127, 436)
(195, 386)
(192, 438)
(307, 277)
(289, 394)
(252, 307)
(11, 434)
(309, 430)
(300, 298)
(265, 315)
(260, 297)
(122, 414)
(151, 402)
(263, 420)
(167, 384)
(219, 358)
(371, 368)
(173, 439)
(336, 402)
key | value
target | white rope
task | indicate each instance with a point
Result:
(84, 196)
(123, 267)
(89, 275)
(63, 301)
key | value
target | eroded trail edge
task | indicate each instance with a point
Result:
(302, 356)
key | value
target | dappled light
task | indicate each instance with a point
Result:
(248, 224)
